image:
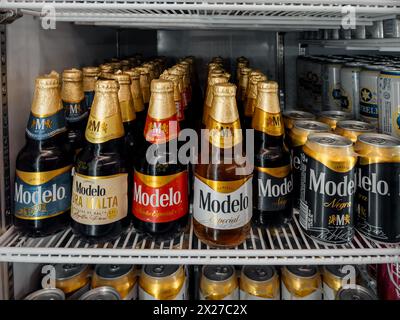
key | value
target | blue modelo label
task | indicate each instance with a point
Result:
(41, 195)
(41, 128)
(369, 110)
(89, 96)
(75, 111)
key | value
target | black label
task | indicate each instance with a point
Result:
(378, 201)
(272, 193)
(296, 171)
(326, 202)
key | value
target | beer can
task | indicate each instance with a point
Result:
(355, 292)
(297, 137)
(352, 129)
(369, 94)
(333, 278)
(46, 294)
(331, 95)
(73, 279)
(345, 34)
(376, 30)
(360, 32)
(332, 117)
(389, 101)
(163, 282)
(101, 293)
(218, 283)
(335, 35)
(378, 190)
(350, 88)
(388, 281)
(259, 283)
(121, 277)
(327, 188)
(290, 116)
(301, 283)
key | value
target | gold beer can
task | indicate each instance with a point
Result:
(355, 292)
(121, 277)
(301, 283)
(332, 117)
(163, 282)
(101, 293)
(73, 279)
(259, 283)
(289, 117)
(333, 278)
(219, 283)
(352, 129)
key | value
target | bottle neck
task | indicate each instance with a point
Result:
(111, 146)
(56, 141)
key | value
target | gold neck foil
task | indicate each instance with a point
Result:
(162, 105)
(46, 99)
(106, 68)
(209, 94)
(150, 68)
(72, 87)
(125, 97)
(244, 78)
(265, 289)
(251, 99)
(177, 90)
(90, 75)
(144, 83)
(136, 93)
(224, 186)
(269, 123)
(300, 286)
(105, 120)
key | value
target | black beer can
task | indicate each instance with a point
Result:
(378, 187)
(328, 188)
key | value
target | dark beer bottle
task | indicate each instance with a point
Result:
(160, 204)
(100, 185)
(90, 75)
(137, 98)
(42, 197)
(76, 112)
(222, 205)
(251, 98)
(144, 82)
(272, 181)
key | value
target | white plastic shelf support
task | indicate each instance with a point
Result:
(286, 245)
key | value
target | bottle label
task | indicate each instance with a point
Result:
(224, 135)
(41, 128)
(248, 296)
(41, 195)
(89, 96)
(269, 123)
(274, 187)
(222, 205)
(75, 111)
(105, 129)
(99, 200)
(287, 295)
(127, 111)
(181, 295)
(161, 131)
(160, 199)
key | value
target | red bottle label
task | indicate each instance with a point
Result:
(160, 199)
(161, 131)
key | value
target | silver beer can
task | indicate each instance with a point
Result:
(350, 88)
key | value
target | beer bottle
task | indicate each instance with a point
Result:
(273, 182)
(239, 66)
(244, 80)
(100, 185)
(76, 112)
(90, 75)
(144, 82)
(160, 204)
(106, 71)
(43, 169)
(177, 97)
(251, 98)
(150, 68)
(137, 96)
(222, 204)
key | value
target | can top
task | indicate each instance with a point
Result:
(355, 64)
(113, 271)
(334, 62)
(379, 140)
(46, 294)
(311, 126)
(65, 271)
(304, 271)
(330, 140)
(390, 70)
(218, 273)
(336, 270)
(336, 115)
(373, 67)
(298, 114)
(355, 292)
(259, 273)
(355, 125)
(101, 293)
(160, 270)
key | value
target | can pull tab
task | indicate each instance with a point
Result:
(159, 269)
(350, 277)
(49, 280)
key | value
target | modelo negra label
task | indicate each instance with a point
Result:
(41, 195)
(75, 111)
(327, 202)
(378, 201)
(274, 188)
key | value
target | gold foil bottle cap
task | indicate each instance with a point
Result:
(106, 68)
(90, 71)
(122, 78)
(142, 70)
(46, 99)
(252, 88)
(107, 86)
(53, 74)
(162, 105)
(245, 71)
(223, 107)
(160, 85)
(177, 89)
(268, 86)
(224, 89)
(133, 74)
(47, 81)
(72, 75)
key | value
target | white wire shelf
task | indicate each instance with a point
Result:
(383, 45)
(229, 14)
(283, 246)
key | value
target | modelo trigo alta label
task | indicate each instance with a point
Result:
(161, 131)
(247, 296)
(160, 198)
(41, 195)
(234, 295)
(287, 295)
(99, 200)
(44, 127)
(222, 205)
(274, 187)
(181, 295)
(75, 111)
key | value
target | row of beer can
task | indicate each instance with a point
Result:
(366, 86)
(220, 282)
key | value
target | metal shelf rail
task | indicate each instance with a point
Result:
(283, 246)
(383, 45)
(228, 14)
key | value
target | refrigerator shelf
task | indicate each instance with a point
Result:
(278, 246)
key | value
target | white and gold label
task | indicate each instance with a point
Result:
(99, 200)
(222, 205)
